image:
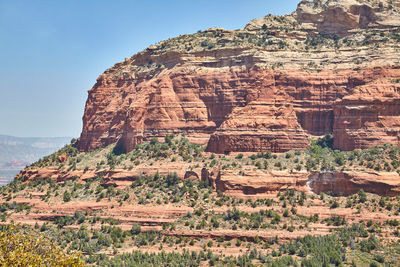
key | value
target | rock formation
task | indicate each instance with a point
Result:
(331, 66)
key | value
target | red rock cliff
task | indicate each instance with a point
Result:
(328, 67)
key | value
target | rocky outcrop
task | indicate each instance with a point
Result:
(248, 183)
(343, 17)
(348, 183)
(258, 184)
(117, 177)
(270, 86)
(363, 123)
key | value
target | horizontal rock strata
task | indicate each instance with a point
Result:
(331, 66)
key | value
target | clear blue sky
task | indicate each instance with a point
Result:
(51, 51)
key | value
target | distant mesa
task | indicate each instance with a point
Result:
(18, 152)
(15, 164)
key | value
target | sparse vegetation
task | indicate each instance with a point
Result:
(156, 215)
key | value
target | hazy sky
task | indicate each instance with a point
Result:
(51, 51)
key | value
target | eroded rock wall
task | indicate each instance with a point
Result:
(260, 88)
(370, 114)
(348, 183)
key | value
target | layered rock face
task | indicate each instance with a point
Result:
(259, 183)
(341, 17)
(331, 66)
(370, 114)
(348, 183)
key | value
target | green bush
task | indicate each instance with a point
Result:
(67, 196)
(136, 229)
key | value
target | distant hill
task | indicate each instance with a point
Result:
(17, 152)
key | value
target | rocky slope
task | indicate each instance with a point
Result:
(331, 66)
(251, 201)
(313, 170)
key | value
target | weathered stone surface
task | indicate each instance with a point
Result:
(370, 114)
(263, 183)
(118, 177)
(260, 126)
(342, 17)
(348, 183)
(257, 183)
(260, 88)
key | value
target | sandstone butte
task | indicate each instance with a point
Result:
(329, 67)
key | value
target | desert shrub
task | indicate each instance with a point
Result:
(393, 222)
(172, 179)
(286, 213)
(239, 156)
(339, 159)
(67, 196)
(316, 250)
(79, 217)
(326, 141)
(138, 258)
(362, 196)
(62, 221)
(335, 220)
(369, 244)
(334, 205)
